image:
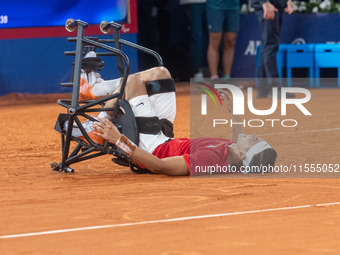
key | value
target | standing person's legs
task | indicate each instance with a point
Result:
(262, 90)
(267, 71)
(148, 31)
(215, 20)
(231, 27)
(213, 53)
(270, 46)
(229, 40)
(196, 13)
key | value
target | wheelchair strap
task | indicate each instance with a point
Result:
(167, 128)
(153, 125)
(160, 86)
(92, 64)
(149, 125)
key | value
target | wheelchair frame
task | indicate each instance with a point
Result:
(75, 108)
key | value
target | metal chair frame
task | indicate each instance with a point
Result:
(83, 150)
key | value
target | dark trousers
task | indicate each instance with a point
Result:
(267, 69)
(196, 14)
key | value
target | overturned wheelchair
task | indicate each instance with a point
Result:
(123, 117)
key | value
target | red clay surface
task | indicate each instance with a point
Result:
(35, 199)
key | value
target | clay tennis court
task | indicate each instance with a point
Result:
(103, 208)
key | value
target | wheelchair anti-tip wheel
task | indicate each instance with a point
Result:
(56, 167)
(70, 25)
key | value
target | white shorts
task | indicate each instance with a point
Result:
(163, 106)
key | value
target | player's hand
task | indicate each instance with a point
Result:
(268, 10)
(290, 7)
(107, 130)
(227, 98)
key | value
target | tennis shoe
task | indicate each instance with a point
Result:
(87, 79)
(91, 132)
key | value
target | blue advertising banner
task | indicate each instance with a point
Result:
(38, 66)
(23, 13)
(297, 28)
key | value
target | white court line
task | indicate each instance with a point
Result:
(161, 221)
(300, 132)
(29, 154)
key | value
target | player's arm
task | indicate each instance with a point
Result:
(168, 166)
(228, 99)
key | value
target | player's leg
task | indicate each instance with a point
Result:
(135, 85)
(92, 85)
(161, 105)
(135, 93)
(141, 105)
(164, 104)
(152, 74)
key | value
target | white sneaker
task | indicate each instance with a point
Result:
(91, 132)
(198, 75)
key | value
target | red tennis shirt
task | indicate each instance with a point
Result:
(198, 153)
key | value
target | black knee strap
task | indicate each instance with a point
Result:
(149, 125)
(160, 86)
(153, 125)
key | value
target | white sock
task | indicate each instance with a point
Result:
(91, 77)
(104, 88)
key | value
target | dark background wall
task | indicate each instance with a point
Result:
(38, 65)
(167, 32)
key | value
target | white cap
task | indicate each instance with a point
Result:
(257, 148)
